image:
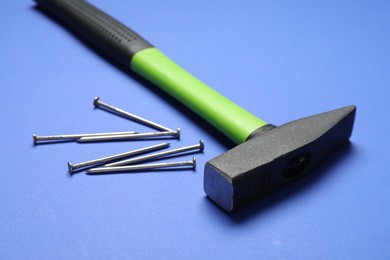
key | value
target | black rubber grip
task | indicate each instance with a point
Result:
(103, 31)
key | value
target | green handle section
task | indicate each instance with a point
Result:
(232, 120)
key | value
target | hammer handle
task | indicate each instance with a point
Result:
(131, 50)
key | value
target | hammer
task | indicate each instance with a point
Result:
(266, 157)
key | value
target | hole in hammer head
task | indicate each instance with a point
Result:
(296, 165)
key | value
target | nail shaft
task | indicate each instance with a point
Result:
(75, 167)
(148, 157)
(125, 137)
(140, 167)
(100, 104)
(39, 138)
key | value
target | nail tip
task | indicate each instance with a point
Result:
(90, 171)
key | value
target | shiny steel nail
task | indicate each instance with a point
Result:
(199, 146)
(77, 166)
(100, 104)
(70, 137)
(175, 134)
(140, 167)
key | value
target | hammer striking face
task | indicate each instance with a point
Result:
(267, 158)
(275, 158)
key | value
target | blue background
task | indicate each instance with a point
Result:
(281, 60)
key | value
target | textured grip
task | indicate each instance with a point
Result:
(111, 36)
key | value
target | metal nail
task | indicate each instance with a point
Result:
(175, 134)
(140, 167)
(100, 104)
(74, 137)
(74, 167)
(199, 146)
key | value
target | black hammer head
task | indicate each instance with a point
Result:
(281, 155)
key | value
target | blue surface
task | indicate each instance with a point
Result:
(281, 60)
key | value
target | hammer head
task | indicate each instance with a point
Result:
(281, 155)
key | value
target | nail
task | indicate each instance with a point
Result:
(73, 167)
(39, 138)
(199, 146)
(100, 104)
(125, 137)
(142, 167)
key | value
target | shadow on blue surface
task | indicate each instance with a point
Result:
(51, 142)
(287, 193)
(181, 169)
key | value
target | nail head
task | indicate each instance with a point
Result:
(70, 167)
(194, 162)
(201, 145)
(96, 101)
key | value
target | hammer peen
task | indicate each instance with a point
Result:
(266, 157)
